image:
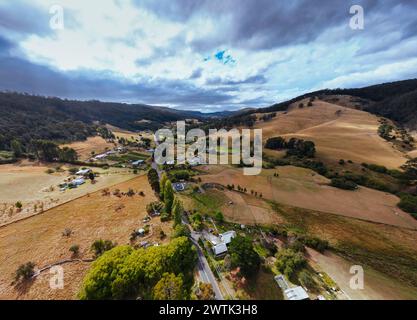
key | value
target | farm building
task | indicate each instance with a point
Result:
(77, 182)
(83, 172)
(227, 236)
(137, 163)
(100, 156)
(297, 293)
(220, 249)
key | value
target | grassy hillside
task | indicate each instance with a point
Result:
(394, 100)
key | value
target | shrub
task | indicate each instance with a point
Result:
(408, 203)
(306, 279)
(343, 183)
(67, 232)
(25, 271)
(101, 246)
(18, 205)
(315, 243)
(75, 249)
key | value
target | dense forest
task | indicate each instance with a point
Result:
(25, 118)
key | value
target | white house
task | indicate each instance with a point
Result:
(227, 236)
(219, 248)
(83, 172)
(137, 162)
(100, 156)
(78, 182)
(297, 293)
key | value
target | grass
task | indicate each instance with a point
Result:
(208, 202)
(387, 249)
(131, 156)
(263, 286)
(6, 157)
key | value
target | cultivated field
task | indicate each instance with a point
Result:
(95, 216)
(306, 189)
(338, 132)
(29, 183)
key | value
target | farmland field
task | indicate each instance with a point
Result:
(96, 216)
(306, 189)
(30, 184)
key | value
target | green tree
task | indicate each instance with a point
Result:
(306, 280)
(290, 261)
(67, 154)
(181, 230)
(168, 196)
(177, 210)
(45, 150)
(170, 287)
(205, 291)
(219, 217)
(154, 180)
(162, 183)
(244, 256)
(16, 147)
(125, 272)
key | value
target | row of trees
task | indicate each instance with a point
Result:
(44, 150)
(294, 146)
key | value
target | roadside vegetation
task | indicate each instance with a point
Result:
(164, 272)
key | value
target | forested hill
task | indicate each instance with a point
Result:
(27, 117)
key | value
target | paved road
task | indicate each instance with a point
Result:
(206, 275)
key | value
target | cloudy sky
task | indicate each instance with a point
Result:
(206, 55)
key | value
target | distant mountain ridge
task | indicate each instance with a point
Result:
(25, 117)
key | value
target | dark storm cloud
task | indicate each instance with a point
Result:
(21, 18)
(262, 24)
(20, 75)
(250, 25)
